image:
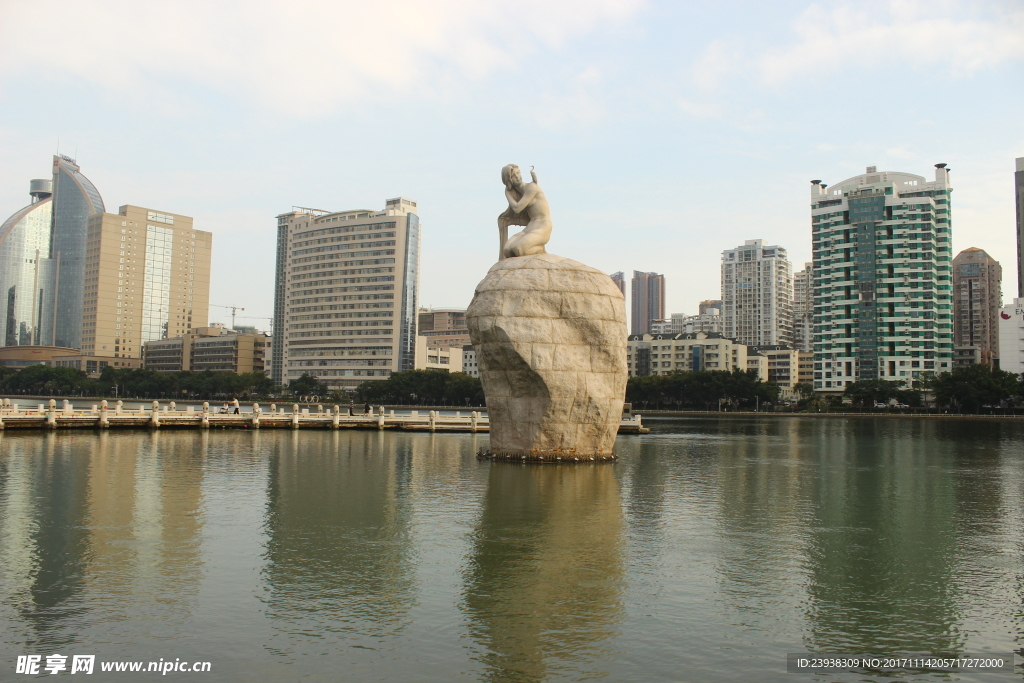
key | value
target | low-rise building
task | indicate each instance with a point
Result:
(680, 323)
(238, 353)
(94, 365)
(805, 371)
(662, 354)
(31, 354)
(448, 358)
(212, 348)
(785, 366)
(443, 327)
(1011, 336)
(757, 363)
(469, 361)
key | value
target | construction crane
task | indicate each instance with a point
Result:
(234, 310)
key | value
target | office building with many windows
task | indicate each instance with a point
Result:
(75, 199)
(146, 277)
(977, 298)
(26, 271)
(882, 281)
(346, 291)
(757, 294)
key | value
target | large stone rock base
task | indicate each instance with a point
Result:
(550, 337)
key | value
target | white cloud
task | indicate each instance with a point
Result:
(900, 152)
(896, 34)
(699, 110)
(900, 34)
(305, 57)
(721, 60)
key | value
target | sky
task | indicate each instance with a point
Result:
(661, 132)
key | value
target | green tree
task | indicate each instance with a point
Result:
(972, 386)
(804, 389)
(871, 391)
(423, 387)
(307, 385)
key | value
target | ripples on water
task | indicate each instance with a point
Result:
(709, 551)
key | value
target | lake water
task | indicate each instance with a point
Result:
(711, 549)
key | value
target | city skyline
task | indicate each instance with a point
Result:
(230, 144)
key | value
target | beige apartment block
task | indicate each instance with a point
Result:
(345, 302)
(238, 353)
(757, 363)
(443, 327)
(208, 348)
(657, 354)
(147, 277)
(785, 366)
(448, 358)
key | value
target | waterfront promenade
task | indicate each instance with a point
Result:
(102, 415)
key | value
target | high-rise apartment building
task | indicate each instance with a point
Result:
(345, 300)
(619, 279)
(882, 278)
(977, 298)
(75, 199)
(26, 271)
(147, 277)
(648, 300)
(1018, 183)
(803, 326)
(757, 294)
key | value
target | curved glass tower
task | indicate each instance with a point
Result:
(74, 200)
(27, 271)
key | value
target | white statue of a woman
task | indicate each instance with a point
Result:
(527, 206)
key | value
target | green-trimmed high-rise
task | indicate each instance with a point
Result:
(882, 286)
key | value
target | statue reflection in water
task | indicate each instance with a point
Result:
(543, 587)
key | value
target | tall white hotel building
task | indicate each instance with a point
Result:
(345, 297)
(882, 286)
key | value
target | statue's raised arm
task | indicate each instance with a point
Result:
(527, 206)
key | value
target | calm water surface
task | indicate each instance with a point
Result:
(709, 551)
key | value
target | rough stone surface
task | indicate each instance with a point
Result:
(550, 337)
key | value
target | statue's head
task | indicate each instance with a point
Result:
(510, 175)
